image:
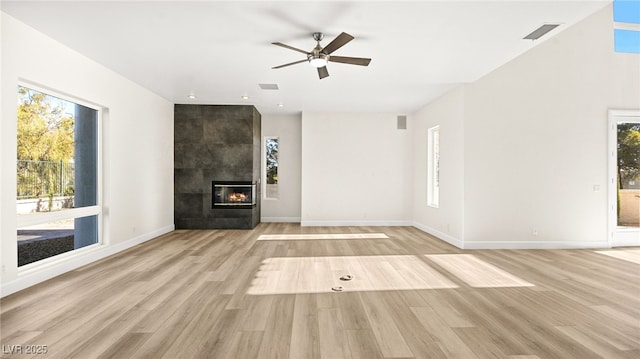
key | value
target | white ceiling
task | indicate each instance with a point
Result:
(221, 50)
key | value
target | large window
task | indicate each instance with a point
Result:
(57, 170)
(433, 167)
(271, 167)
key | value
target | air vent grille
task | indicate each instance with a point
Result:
(541, 31)
(268, 86)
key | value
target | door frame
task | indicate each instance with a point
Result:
(617, 237)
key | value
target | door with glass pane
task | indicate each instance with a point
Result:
(624, 178)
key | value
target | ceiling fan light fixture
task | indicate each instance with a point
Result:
(319, 60)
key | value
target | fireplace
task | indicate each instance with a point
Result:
(233, 194)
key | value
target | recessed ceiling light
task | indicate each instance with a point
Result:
(245, 97)
(192, 96)
(280, 105)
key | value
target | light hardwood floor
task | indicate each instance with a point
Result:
(226, 294)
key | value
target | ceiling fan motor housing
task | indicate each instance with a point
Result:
(316, 57)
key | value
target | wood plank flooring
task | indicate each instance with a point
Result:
(226, 294)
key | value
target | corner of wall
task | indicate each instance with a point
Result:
(445, 222)
(440, 235)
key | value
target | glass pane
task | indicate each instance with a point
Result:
(50, 239)
(626, 41)
(272, 147)
(57, 153)
(626, 11)
(629, 174)
(433, 167)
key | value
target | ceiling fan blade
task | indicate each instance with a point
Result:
(290, 47)
(350, 60)
(337, 43)
(323, 72)
(291, 63)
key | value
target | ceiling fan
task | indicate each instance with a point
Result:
(319, 56)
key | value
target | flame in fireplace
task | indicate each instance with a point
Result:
(237, 197)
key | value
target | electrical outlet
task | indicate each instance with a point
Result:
(534, 232)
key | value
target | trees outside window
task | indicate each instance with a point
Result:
(628, 154)
(45, 148)
(271, 165)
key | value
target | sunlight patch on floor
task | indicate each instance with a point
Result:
(629, 255)
(476, 272)
(295, 237)
(290, 275)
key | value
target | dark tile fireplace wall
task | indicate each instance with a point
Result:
(214, 143)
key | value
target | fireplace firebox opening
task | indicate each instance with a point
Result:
(233, 194)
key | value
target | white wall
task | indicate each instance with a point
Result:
(288, 130)
(446, 221)
(355, 170)
(536, 140)
(137, 150)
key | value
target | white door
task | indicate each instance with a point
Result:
(624, 178)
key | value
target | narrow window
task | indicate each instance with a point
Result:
(433, 167)
(271, 167)
(57, 175)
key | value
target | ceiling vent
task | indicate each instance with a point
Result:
(541, 31)
(268, 86)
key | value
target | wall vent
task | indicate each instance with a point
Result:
(402, 122)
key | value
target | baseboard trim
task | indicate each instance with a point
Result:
(354, 223)
(625, 243)
(510, 245)
(41, 274)
(535, 245)
(440, 235)
(280, 219)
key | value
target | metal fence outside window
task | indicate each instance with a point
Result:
(42, 179)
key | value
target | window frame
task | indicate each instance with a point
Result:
(32, 219)
(264, 167)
